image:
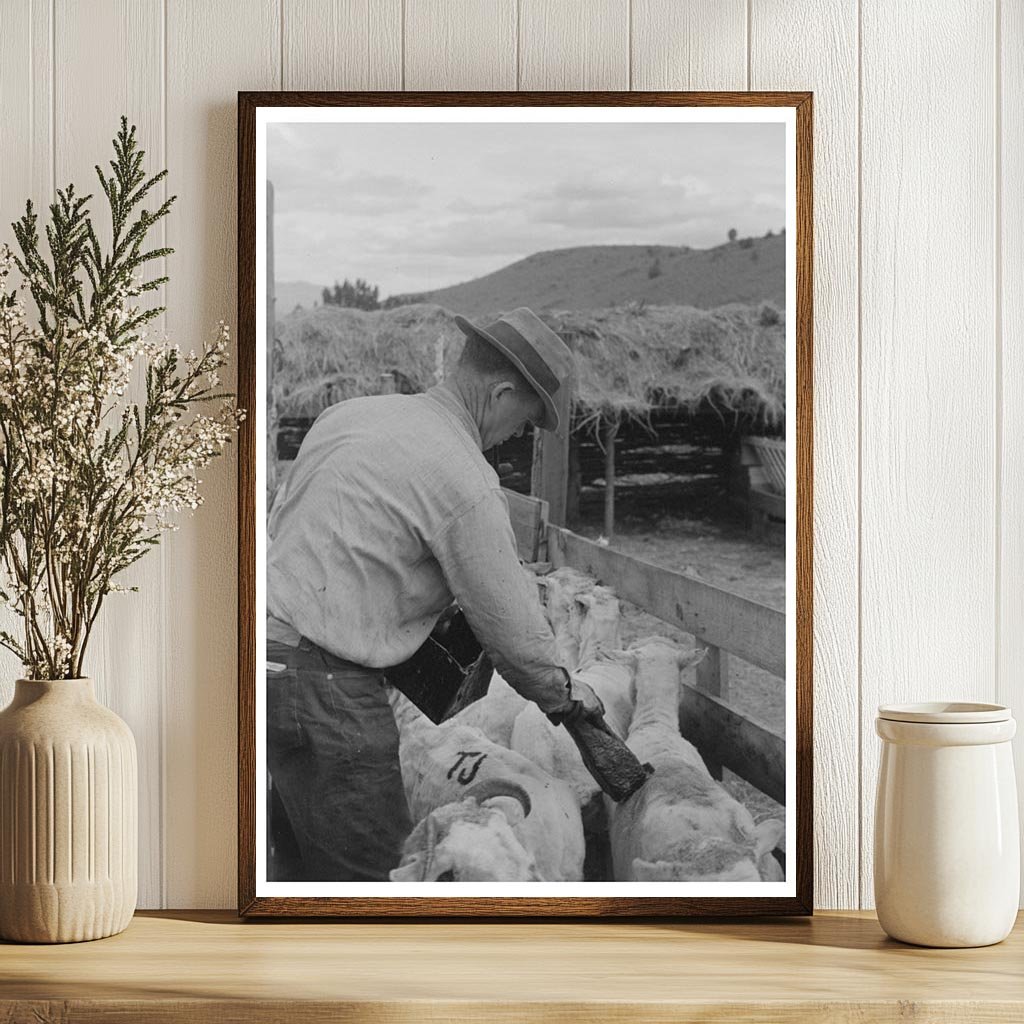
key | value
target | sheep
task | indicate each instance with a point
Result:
(586, 623)
(551, 747)
(569, 598)
(441, 766)
(467, 841)
(681, 825)
(495, 712)
(585, 620)
(596, 613)
(561, 589)
(599, 629)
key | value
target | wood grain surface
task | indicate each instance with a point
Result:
(342, 44)
(573, 44)
(1009, 313)
(229, 45)
(928, 377)
(689, 44)
(200, 967)
(920, 164)
(831, 72)
(603, 564)
(121, 655)
(468, 45)
(26, 127)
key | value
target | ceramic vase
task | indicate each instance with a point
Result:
(68, 815)
(947, 847)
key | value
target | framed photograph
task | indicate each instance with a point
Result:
(525, 504)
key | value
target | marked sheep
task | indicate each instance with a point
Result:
(595, 624)
(600, 624)
(682, 825)
(551, 747)
(561, 588)
(495, 712)
(470, 841)
(472, 797)
(582, 616)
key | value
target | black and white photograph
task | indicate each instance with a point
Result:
(525, 501)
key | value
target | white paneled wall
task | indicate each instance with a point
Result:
(919, 325)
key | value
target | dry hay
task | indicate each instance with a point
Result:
(327, 354)
(629, 359)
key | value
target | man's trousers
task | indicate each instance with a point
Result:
(332, 751)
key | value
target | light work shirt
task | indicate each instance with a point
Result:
(390, 512)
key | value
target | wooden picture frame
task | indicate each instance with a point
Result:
(686, 602)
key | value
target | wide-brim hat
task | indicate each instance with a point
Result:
(533, 349)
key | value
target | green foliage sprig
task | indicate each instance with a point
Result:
(89, 477)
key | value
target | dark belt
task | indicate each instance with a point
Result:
(332, 660)
(446, 674)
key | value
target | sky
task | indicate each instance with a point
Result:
(413, 207)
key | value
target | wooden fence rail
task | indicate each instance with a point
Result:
(751, 631)
(723, 622)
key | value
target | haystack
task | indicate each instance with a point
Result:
(630, 359)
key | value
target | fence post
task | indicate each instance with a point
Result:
(713, 678)
(611, 429)
(550, 476)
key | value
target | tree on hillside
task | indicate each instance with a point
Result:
(353, 296)
(732, 234)
(409, 299)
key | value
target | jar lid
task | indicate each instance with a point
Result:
(945, 712)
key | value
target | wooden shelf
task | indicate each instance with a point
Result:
(208, 966)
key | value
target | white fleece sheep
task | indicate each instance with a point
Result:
(551, 747)
(595, 622)
(681, 825)
(561, 589)
(600, 624)
(442, 766)
(494, 713)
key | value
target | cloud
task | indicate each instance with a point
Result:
(771, 200)
(463, 205)
(414, 206)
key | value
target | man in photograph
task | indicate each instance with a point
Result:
(391, 513)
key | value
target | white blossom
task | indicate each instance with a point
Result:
(91, 467)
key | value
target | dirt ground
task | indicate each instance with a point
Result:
(716, 547)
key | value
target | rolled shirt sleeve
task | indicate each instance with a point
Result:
(477, 554)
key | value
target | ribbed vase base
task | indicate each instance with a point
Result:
(63, 913)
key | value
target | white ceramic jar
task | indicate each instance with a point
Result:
(947, 847)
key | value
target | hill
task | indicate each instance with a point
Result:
(595, 277)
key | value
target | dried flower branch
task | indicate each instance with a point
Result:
(89, 478)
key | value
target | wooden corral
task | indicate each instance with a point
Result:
(633, 362)
(723, 622)
(765, 461)
(678, 443)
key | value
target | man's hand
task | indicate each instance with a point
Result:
(580, 691)
(580, 702)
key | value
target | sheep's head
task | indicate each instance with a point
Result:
(471, 841)
(600, 625)
(561, 589)
(738, 858)
(658, 661)
(660, 650)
